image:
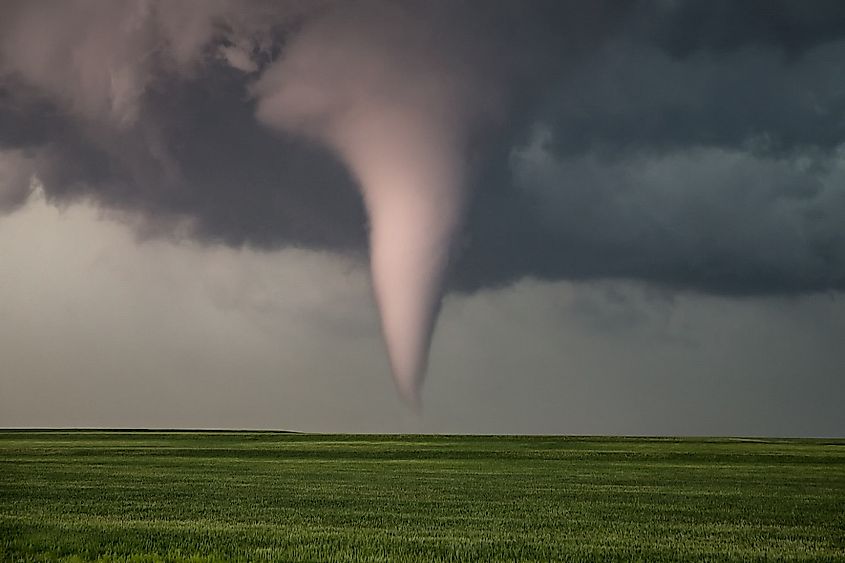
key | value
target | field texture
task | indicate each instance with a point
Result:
(117, 496)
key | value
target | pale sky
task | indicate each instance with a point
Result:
(102, 330)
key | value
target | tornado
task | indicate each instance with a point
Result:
(398, 105)
(414, 189)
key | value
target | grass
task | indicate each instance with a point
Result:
(170, 496)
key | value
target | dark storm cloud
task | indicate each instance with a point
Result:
(716, 172)
(682, 28)
(689, 144)
(698, 146)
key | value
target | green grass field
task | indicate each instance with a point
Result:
(151, 496)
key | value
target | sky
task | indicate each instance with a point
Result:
(465, 217)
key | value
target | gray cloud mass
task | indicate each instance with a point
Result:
(149, 107)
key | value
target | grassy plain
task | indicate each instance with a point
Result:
(152, 496)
